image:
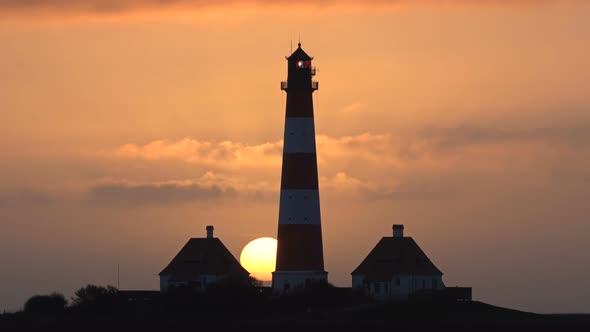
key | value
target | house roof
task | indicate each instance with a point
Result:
(202, 256)
(396, 255)
(299, 54)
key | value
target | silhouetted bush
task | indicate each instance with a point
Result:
(318, 295)
(233, 285)
(46, 304)
(235, 293)
(228, 294)
(96, 298)
(182, 298)
(254, 282)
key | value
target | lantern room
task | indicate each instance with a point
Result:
(300, 72)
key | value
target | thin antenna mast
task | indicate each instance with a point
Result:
(118, 278)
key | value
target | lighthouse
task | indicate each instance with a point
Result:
(300, 257)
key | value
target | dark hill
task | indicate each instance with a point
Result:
(334, 312)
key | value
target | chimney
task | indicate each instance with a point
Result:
(209, 232)
(398, 230)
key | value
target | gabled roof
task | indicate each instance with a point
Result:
(202, 256)
(299, 54)
(396, 255)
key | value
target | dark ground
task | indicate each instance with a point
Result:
(330, 310)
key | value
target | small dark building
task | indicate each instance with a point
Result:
(395, 268)
(200, 263)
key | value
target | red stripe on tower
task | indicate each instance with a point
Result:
(300, 257)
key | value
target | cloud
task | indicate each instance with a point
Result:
(25, 198)
(385, 149)
(206, 188)
(123, 194)
(430, 163)
(342, 182)
(424, 164)
(117, 7)
(354, 107)
(346, 185)
(230, 155)
(211, 187)
(226, 154)
(445, 139)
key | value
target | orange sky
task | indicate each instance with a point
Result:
(124, 132)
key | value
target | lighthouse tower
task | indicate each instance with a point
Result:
(300, 257)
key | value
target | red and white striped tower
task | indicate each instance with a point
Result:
(300, 257)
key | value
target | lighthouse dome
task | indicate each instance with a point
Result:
(299, 54)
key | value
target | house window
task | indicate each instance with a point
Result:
(397, 281)
(423, 283)
(377, 287)
(434, 284)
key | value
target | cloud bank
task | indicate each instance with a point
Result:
(429, 163)
(426, 164)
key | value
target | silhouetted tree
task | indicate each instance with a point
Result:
(254, 282)
(234, 283)
(46, 304)
(182, 298)
(96, 298)
(233, 293)
(318, 295)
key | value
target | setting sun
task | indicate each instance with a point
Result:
(259, 258)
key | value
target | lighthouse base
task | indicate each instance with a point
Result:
(287, 281)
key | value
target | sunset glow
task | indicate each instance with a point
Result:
(127, 126)
(259, 258)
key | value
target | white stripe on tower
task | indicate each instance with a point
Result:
(299, 206)
(299, 135)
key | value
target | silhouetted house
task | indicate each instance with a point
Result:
(395, 268)
(200, 263)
